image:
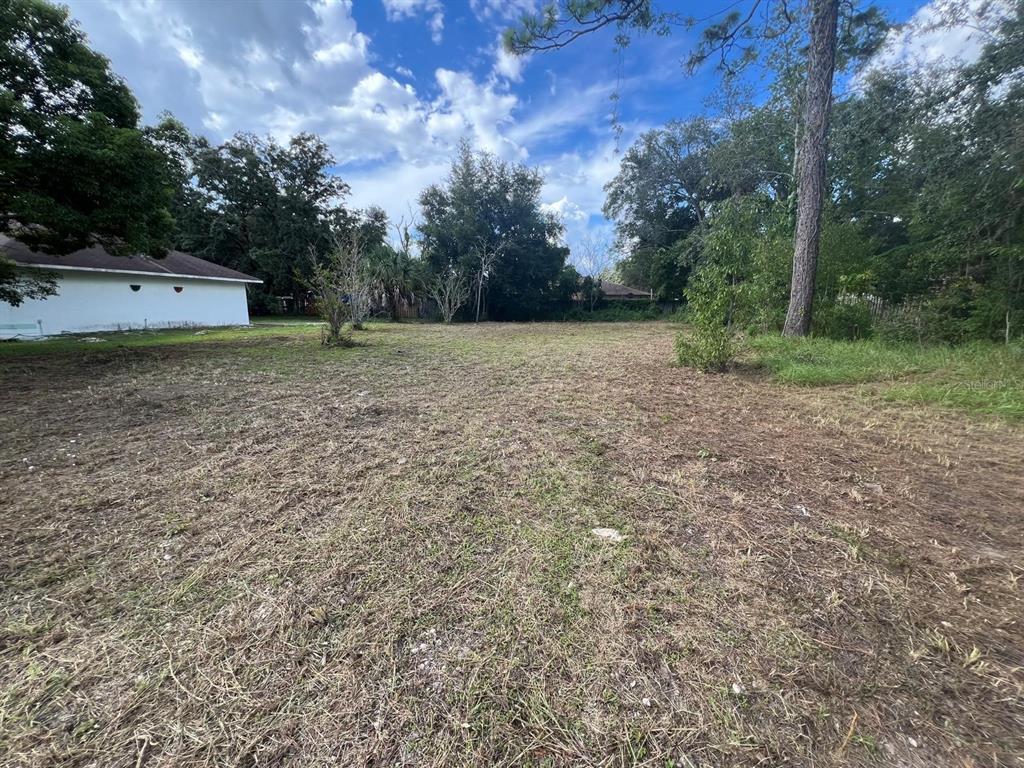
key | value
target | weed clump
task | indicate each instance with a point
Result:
(333, 335)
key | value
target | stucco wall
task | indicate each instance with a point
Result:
(96, 301)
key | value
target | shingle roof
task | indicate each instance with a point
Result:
(174, 264)
(620, 291)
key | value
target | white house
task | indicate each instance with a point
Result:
(97, 291)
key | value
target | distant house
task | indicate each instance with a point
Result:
(620, 292)
(97, 291)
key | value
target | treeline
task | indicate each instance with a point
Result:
(923, 234)
(77, 168)
(278, 211)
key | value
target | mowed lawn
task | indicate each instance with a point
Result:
(239, 548)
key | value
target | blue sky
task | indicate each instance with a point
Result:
(394, 84)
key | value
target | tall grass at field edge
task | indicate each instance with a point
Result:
(979, 377)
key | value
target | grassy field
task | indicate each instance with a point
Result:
(239, 548)
(980, 378)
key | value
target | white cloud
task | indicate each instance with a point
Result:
(343, 51)
(473, 110)
(942, 32)
(241, 80)
(506, 64)
(502, 9)
(192, 58)
(565, 210)
(288, 68)
(591, 107)
(397, 10)
(436, 25)
(395, 186)
(574, 188)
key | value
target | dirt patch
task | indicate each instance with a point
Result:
(265, 553)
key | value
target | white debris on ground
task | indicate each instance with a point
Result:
(92, 339)
(608, 534)
(436, 660)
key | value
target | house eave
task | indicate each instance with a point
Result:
(68, 268)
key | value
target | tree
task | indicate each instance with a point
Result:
(732, 40)
(486, 205)
(257, 205)
(662, 192)
(16, 285)
(396, 275)
(75, 170)
(450, 290)
(355, 244)
(487, 257)
(326, 283)
(356, 277)
(594, 256)
(821, 58)
(343, 280)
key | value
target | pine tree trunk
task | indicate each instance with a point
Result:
(821, 58)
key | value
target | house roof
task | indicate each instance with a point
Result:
(620, 291)
(96, 259)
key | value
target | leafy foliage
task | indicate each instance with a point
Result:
(74, 167)
(488, 205)
(923, 228)
(326, 282)
(616, 312)
(16, 284)
(258, 206)
(709, 346)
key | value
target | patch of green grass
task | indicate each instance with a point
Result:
(981, 378)
(285, 320)
(997, 397)
(141, 339)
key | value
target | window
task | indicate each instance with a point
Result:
(178, 289)
(135, 287)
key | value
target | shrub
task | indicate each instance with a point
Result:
(340, 336)
(953, 314)
(615, 312)
(848, 320)
(709, 347)
(751, 242)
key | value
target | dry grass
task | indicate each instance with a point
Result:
(257, 552)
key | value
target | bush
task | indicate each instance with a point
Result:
(261, 302)
(751, 243)
(707, 348)
(845, 320)
(337, 336)
(709, 296)
(615, 312)
(952, 314)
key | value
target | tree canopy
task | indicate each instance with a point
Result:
(489, 206)
(256, 205)
(922, 231)
(75, 168)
